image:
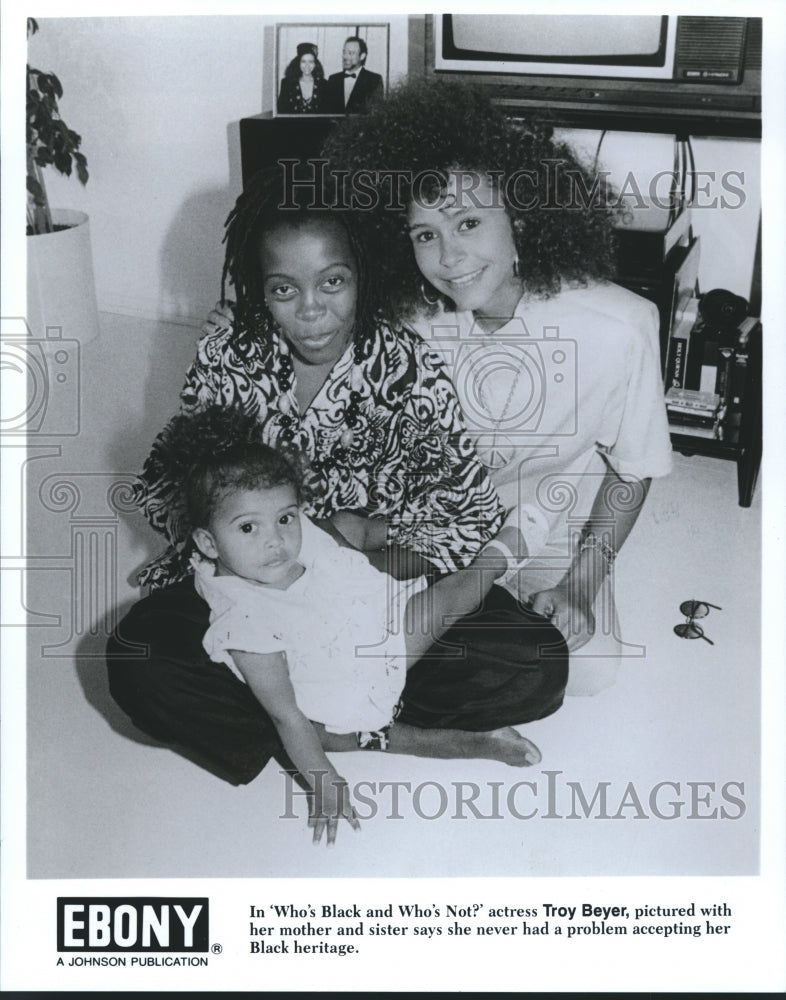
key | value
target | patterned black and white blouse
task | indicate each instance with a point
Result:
(409, 458)
(292, 102)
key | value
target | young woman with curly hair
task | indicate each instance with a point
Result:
(496, 243)
(389, 469)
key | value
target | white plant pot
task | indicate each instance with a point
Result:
(60, 283)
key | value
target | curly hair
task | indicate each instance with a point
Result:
(207, 455)
(444, 126)
(289, 195)
(292, 72)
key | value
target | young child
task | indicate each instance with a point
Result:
(322, 638)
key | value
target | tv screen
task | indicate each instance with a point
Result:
(644, 72)
(589, 45)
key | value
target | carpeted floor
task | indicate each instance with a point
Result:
(658, 775)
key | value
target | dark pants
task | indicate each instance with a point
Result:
(500, 667)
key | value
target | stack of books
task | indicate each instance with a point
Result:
(695, 412)
(706, 374)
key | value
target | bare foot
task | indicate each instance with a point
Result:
(510, 747)
(505, 744)
(500, 744)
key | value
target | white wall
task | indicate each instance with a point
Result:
(157, 101)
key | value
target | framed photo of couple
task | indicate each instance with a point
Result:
(334, 68)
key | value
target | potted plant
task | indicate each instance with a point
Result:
(49, 142)
(60, 284)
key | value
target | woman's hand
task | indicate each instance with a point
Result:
(329, 802)
(573, 617)
(570, 603)
(220, 320)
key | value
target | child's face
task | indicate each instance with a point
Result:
(255, 534)
(310, 280)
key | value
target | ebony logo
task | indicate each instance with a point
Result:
(132, 924)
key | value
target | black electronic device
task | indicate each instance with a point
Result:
(648, 73)
(646, 235)
(709, 333)
(264, 140)
(723, 310)
(670, 283)
(714, 407)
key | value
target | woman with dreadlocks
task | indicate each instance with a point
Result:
(496, 243)
(390, 469)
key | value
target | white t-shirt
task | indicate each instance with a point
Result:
(566, 389)
(340, 625)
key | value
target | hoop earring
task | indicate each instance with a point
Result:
(518, 229)
(426, 299)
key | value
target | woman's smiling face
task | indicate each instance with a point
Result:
(310, 281)
(463, 243)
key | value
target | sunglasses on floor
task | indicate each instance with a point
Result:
(693, 610)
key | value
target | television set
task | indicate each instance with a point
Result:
(644, 72)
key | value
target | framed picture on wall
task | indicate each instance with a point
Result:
(335, 68)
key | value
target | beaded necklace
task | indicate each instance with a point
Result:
(287, 407)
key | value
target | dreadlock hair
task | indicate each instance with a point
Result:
(204, 456)
(289, 195)
(562, 234)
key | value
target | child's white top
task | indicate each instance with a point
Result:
(340, 625)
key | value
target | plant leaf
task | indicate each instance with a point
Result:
(44, 83)
(63, 163)
(49, 140)
(81, 167)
